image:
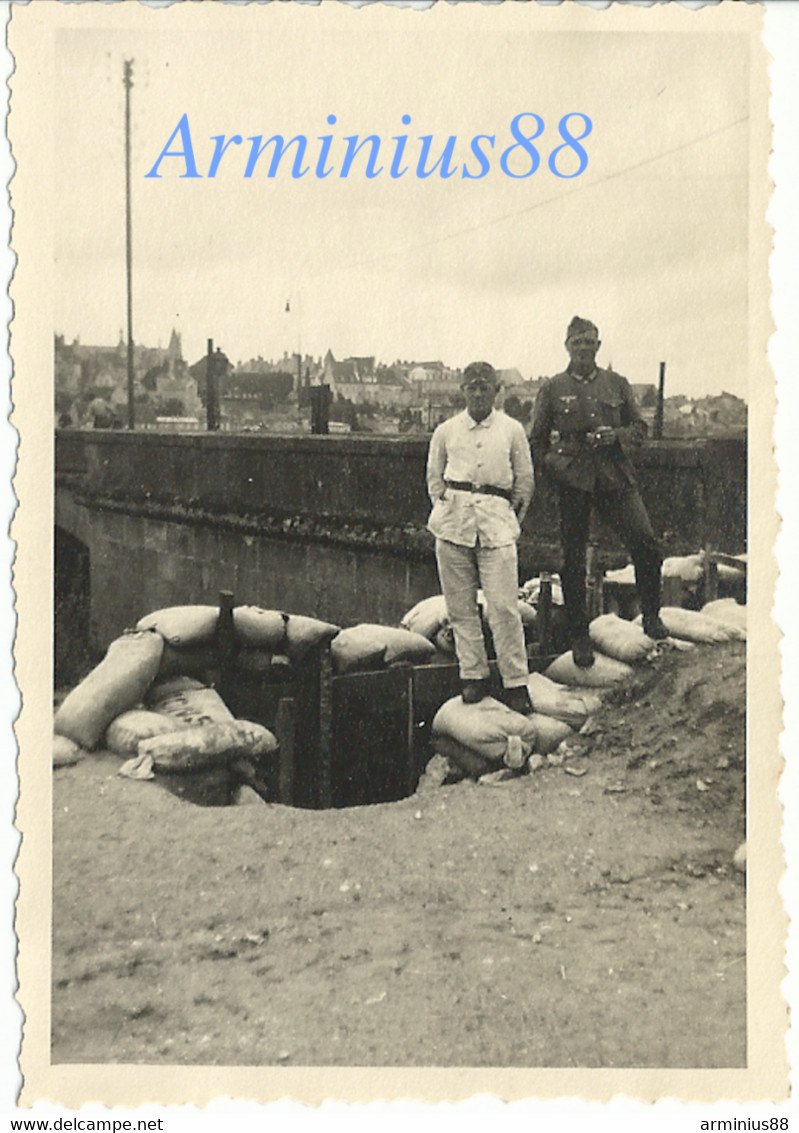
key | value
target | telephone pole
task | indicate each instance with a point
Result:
(127, 79)
(658, 429)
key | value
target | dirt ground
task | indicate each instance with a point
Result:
(586, 915)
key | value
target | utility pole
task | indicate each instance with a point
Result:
(127, 79)
(658, 426)
(211, 390)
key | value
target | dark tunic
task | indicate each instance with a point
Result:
(566, 410)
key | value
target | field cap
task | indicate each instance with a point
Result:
(580, 326)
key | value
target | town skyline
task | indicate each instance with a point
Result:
(289, 356)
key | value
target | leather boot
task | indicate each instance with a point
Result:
(472, 692)
(518, 700)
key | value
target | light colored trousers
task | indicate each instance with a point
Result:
(462, 570)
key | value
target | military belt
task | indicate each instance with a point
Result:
(483, 489)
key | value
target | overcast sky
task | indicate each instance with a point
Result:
(650, 241)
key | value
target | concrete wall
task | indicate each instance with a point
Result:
(329, 526)
(140, 563)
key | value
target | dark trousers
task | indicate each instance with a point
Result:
(626, 514)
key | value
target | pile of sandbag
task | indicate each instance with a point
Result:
(621, 640)
(715, 623)
(159, 723)
(689, 568)
(262, 637)
(481, 737)
(154, 682)
(115, 686)
(429, 618)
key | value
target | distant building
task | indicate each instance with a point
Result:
(362, 382)
(84, 372)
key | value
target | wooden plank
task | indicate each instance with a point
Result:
(544, 621)
(729, 560)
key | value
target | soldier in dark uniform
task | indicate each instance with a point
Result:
(585, 421)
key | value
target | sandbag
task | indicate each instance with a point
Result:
(549, 733)
(620, 639)
(729, 573)
(183, 626)
(115, 685)
(198, 747)
(624, 576)
(367, 646)
(197, 661)
(66, 752)
(260, 629)
(569, 705)
(467, 761)
(402, 645)
(304, 634)
(125, 733)
(192, 706)
(690, 568)
(690, 625)
(728, 612)
(427, 617)
(358, 649)
(487, 727)
(604, 673)
(186, 626)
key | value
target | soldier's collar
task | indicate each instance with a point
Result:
(583, 377)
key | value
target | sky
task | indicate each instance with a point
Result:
(650, 241)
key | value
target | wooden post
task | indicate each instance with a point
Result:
(326, 738)
(711, 575)
(657, 429)
(545, 613)
(225, 641)
(410, 735)
(286, 731)
(211, 415)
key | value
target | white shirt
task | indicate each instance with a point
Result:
(494, 451)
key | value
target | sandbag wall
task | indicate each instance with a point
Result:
(342, 704)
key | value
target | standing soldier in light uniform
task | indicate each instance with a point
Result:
(585, 421)
(480, 480)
